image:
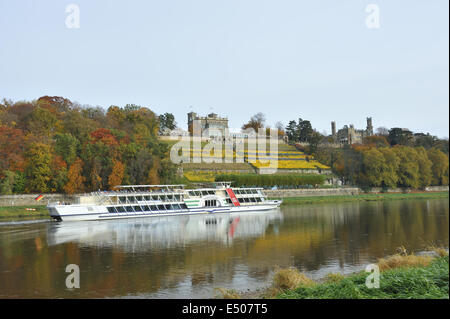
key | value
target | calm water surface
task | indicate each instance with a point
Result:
(189, 256)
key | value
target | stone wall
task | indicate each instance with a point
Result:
(408, 190)
(280, 193)
(29, 199)
(312, 192)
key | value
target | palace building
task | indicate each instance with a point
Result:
(350, 135)
(214, 124)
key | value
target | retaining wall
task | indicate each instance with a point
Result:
(28, 199)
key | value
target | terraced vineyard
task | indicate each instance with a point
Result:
(214, 160)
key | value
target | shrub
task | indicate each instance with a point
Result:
(290, 180)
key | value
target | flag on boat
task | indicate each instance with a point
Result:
(39, 198)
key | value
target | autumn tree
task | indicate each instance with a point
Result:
(408, 170)
(117, 174)
(256, 122)
(390, 171)
(38, 169)
(373, 168)
(75, 179)
(425, 165)
(439, 167)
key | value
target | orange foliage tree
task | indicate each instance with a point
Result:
(117, 174)
(75, 183)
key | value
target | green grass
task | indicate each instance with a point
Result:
(21, 212)
(425, 282)
(361, 197)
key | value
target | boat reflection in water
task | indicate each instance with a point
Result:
(163, 232)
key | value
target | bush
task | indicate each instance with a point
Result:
(290, 180)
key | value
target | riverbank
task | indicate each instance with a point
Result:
(417, 282)
(23, 212)
(363, 197)
(406, 276)
(40, 211)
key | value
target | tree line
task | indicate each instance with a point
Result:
(55, 145)
(388, 167)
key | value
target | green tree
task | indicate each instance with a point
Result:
(439, 166)
(167, 122)
(408, 171)
(390, 172)
(38, 170)
(67, 146)
(425, 165)
(373, 168)
(291, 131)
(304, 130)
(7, 183)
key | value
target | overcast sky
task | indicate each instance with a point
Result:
(316, 60)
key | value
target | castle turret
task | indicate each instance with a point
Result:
(333, 129)
(369, 128)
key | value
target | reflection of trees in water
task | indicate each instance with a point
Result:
(117, 262)
(353, 233)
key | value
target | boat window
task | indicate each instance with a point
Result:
(183, 206)
(137, 208)
(168, 206)
(258, 199)
(161, 207)
(177, 197)
(111, 210)
(170, 196)
(246, 200)
(191, 193)
(240, 200)
(120, 209)
(176, 206)
(122, 199)
(138, 198)
(252, 199)
(198, 194)
(145, 208)
(147, 198)
(129, 209)
(131, 199)
(254, 191)
(229, 200)
(155, 197)
(153, 208)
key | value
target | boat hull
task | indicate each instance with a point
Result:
(86, 212)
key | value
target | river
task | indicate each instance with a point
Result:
(190, 256)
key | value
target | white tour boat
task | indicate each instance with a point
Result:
(161, 200)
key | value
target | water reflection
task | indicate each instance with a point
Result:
(188, 256)
(144, 234)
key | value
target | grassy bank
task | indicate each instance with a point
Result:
(402, 276)
(404, 282)
(362, 197)
(21, 212)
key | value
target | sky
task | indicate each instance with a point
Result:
(289, 59)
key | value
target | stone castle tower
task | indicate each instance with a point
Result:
(350, 135)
